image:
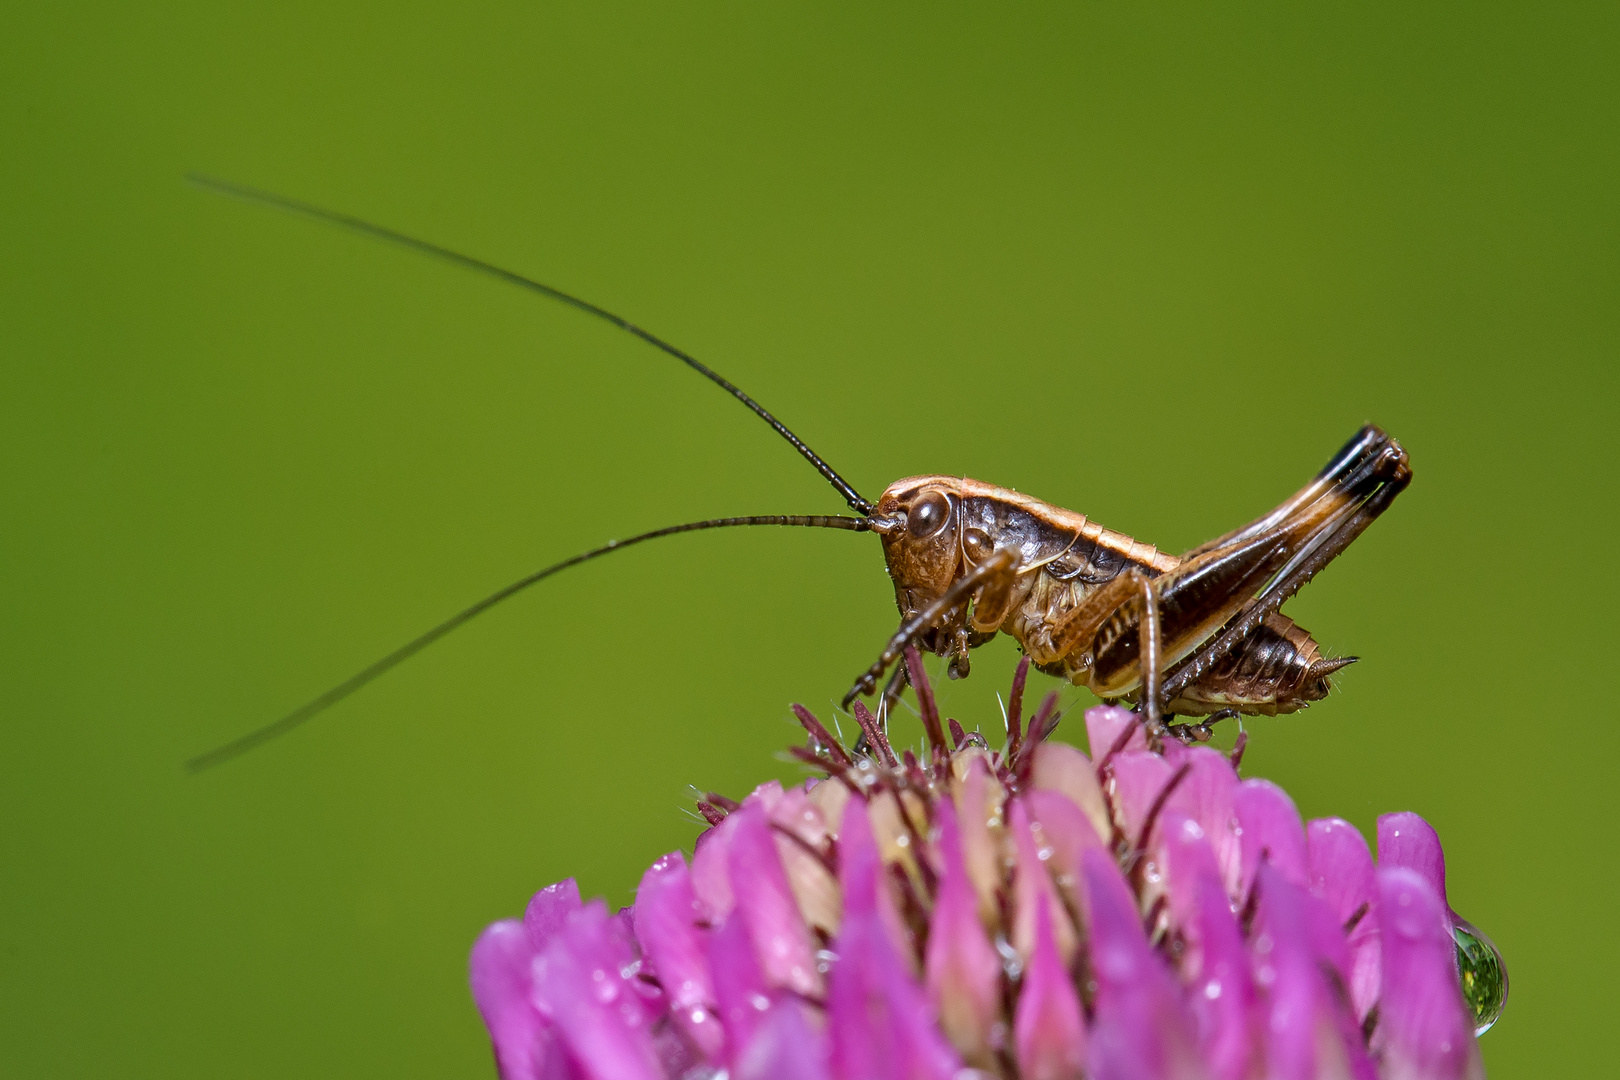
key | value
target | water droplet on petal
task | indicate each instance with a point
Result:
(1484, 974)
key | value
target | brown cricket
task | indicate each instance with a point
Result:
(1088, 604)
(1198, 636)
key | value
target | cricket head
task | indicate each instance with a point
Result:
(919, 519)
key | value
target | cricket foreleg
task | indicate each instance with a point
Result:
(896, 686)
(987, 575)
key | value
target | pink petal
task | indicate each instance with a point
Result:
(1060, 767)
(1220, 991)
(1188, 860)
(620, 930)
(863, 875)
(860, 866)
(794, 810)
(1405, 839)
(878, 1019)
(786, 1047)
(768, 793)
(711, 871)
(676, 948)
(814, 889)
(1140, 1030)
(1425, 1030)
(580, 984)
(1308, 1032)
(976, 805)
(1034, 890)
(879, 1022)
(1139, 776)
(1103, 726)
(742, 997)
(766, 906)
(894, 827)
(1342, 875)
(1050, 1029)
(963, 971)
(1326, 935)
(1206, 794)
(1066, 831)
(1339, 866)
(499, 970)
(1269, 824)
(549, 909)
(676, 1054)
(1104, 865)
(1174, 752)
(829, 797)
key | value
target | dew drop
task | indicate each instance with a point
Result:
(1484, 974)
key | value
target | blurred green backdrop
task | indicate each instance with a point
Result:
(1151, 264)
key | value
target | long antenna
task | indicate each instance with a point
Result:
(856, 501)
(348, 686)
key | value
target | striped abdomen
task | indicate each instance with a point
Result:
(1278, 669)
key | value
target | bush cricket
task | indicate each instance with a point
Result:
(1197, 636)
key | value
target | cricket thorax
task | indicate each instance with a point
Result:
(946, 526)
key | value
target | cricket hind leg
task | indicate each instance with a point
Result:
(1215, 600)
(1362, 446)
(994, 575)
(1376, 480)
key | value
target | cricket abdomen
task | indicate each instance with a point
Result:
(1278, 669)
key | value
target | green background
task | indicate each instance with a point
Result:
(1154, 263)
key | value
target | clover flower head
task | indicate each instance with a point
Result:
(1024, 913)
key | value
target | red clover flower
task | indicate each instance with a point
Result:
(1026, 913)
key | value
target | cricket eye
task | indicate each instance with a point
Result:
(928, 515)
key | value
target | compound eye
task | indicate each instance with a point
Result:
(928, 515)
